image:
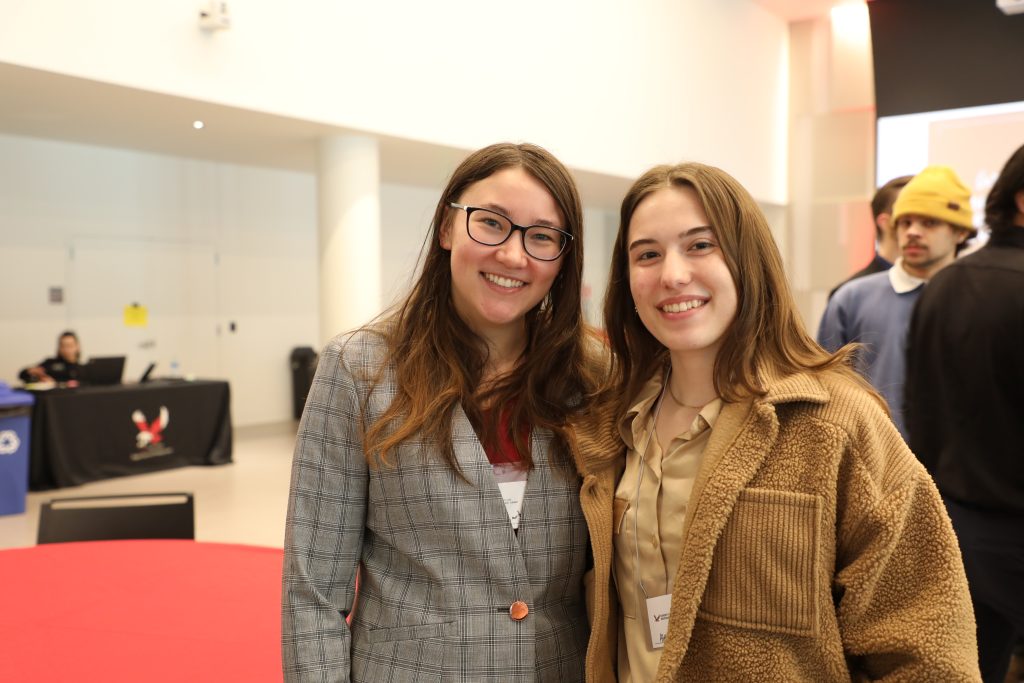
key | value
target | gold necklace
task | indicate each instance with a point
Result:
(675, 400)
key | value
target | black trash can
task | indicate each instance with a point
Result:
(303, 368)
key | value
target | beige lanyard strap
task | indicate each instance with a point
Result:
(639, 480)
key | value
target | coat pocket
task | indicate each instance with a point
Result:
(765, 566)
(417, 632)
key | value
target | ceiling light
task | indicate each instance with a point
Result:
(1011, 6)
(198, 125)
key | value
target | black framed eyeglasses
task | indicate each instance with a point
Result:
(491, 228)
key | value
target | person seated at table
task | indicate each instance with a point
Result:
(63, 368)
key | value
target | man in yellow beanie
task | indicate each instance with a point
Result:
(933, 221)
(965, 412)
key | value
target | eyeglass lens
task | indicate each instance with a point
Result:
(492, 228)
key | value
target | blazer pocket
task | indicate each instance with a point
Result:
(417, 632)
(765, 567)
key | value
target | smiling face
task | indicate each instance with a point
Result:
(927, 244)
(493, 287)
(680, 283)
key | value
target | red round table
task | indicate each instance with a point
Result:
(140, 611)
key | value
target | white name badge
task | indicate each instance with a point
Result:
(658, 609)
(512, 484)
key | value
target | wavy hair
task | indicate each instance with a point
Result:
(1001, 205)
(438, 360)
(767, 334)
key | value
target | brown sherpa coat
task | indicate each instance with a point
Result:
(816, 548)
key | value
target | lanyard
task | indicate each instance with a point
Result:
(639, 480)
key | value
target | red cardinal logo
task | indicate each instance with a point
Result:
(152, 432)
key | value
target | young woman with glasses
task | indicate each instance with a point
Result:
(761, 516)
(437, 455)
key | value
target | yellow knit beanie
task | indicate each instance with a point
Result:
(937, 192)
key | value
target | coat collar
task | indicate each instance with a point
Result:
(902, 281)
(797, 387)
(743, 437)
(1008, 237)
(597, 440)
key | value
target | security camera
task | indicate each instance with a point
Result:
(213, 16)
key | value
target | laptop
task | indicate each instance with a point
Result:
(146, 375)
(102, 370)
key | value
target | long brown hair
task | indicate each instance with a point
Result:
(438, 361)
(767, 334)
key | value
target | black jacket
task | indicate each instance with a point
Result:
(965, 376)
(57, 368)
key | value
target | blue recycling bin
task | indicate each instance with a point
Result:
(15, 427)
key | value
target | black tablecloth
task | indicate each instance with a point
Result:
(89, 433)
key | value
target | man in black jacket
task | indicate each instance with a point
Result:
(965, 412)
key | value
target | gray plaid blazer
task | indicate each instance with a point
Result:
(440, 564)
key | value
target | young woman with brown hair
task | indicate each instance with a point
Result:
(436, 454)
(763, 520)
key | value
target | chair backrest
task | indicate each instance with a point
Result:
(107, 518)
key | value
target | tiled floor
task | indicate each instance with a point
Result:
(243, 502)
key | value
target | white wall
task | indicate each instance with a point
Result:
(261, 223)
(406, 212)
(600, 227)
(608, 86)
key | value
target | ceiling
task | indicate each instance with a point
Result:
(55, 106)
(47, 105)
(799, 10)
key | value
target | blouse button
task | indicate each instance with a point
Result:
(518, 610)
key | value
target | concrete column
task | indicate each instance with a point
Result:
(831, 154)
(348, 190)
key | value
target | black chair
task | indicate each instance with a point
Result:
(108, 518)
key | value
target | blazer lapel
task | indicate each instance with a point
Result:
(742, 436)
(538, 485)
(538, 481)
(469, 453)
